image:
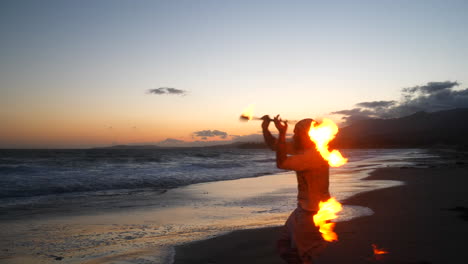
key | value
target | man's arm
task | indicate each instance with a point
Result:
(309, 160)
(301, 162)
(281, 153)
(270, 140)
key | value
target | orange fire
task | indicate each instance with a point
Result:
(327, 211)
(248, 113)
(322, 134)
(378, 252)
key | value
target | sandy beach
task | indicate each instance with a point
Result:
(235, 221)
(423, 221)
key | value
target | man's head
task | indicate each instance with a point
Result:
(301, 134)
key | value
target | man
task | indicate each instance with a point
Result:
(300, 240)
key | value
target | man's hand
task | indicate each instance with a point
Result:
(281, 125)
(266, 121)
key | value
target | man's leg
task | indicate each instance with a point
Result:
(308, 238)
(285, 244)
(307, 261)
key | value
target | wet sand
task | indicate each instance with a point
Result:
(145, 234)
(423, 221)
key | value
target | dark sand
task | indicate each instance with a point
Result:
(423, 221)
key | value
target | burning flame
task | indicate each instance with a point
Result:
(322, 134)
(378, 252)
(327, 211)
(247, 114)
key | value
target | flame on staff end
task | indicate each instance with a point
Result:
(247, 114)
(327, 211)
(322, 134)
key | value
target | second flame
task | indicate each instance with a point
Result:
(327, 211)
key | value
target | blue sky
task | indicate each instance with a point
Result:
(71, 70)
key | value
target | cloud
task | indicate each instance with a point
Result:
(431, 97)
(376, 104)
(167, 90)
(431, 87)
(354, 114)
(205, 134)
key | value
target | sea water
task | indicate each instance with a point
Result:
(134, 205)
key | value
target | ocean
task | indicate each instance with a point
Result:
(122, 200)
(38, 177)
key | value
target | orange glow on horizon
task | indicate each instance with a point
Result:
(53, 134)
(63, 129)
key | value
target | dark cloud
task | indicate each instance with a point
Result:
(431, 87)
(434, 96)
(355, 114)
(354, 111)
(205, 134)
(167, 90)
(410, 90)
(376, 104)
(157, 91)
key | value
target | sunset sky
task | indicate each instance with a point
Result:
(80, 73)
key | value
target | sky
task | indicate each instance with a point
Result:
(77, 74)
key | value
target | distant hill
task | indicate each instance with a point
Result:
(129, 147)
(421, 129)
(443, 128)
(253, 141)
(239, 145)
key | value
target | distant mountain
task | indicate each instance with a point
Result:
(128, 147)
(237, 145)
(245, 142)
(421, 129)
(443, 128)
(171, 142)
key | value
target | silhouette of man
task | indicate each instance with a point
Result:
(300, 241)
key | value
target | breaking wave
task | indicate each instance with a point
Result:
(29, 173)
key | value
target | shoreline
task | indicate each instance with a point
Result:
(100, 201)
(147, 234)
(418, 222)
